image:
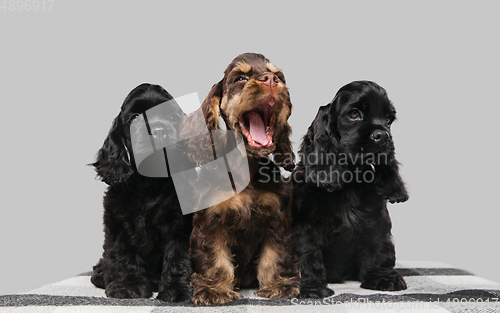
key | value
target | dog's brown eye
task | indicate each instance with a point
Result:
(355, 115)
(390, 120)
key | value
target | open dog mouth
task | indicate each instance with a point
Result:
(257, 125)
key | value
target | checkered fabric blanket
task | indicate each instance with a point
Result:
(432, 287)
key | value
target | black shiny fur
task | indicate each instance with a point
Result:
(146, 245)
(341, 226)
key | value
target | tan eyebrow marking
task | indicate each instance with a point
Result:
(272, 68)
(243, 67)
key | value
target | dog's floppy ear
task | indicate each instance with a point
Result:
(194, 126)
(112, 163)
(320, 149)
(283, 154)
(210, 106)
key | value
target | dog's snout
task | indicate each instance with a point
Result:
(269, 79)
(159, 133)
(380, 136)
(163, 131)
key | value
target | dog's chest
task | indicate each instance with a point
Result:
(353, 212)
(247, 208)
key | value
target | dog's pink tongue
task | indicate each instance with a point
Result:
(257, 128)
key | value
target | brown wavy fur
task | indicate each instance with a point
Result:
(220, 99)
(246, 238)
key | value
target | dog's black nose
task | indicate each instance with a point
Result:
(163, 132)
(380, 136)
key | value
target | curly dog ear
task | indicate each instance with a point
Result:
(112, 163)
(193, 127)
(283, 154)
(210, 106)
(320, 148)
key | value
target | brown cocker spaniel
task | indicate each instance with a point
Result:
(246, 238)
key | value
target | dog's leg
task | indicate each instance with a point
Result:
(126, 278)
(277, 269)
(122, 266)
(176, 273)
(312, 269)
(213, 280)
(377, 262)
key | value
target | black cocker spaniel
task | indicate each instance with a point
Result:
(146, 245)
(346, 175)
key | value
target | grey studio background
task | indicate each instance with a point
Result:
(64, 74)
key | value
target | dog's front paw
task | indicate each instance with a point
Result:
(128, 290)
(279, 291)
(209, 296)
(175, 293)
(315, 292)
(392, 282)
